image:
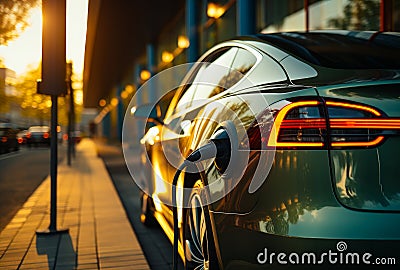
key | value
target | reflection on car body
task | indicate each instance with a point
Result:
(333, 121)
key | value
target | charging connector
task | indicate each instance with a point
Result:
(218, 147)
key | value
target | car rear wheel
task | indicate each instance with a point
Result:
(199, 243)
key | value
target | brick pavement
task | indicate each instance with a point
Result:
(100, 235)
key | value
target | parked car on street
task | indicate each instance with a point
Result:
(8, 138)
(38, 135)
(21, 136)
(317, 116)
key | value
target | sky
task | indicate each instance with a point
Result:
(25, 52)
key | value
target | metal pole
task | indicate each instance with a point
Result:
(71, 124)
(53, 171)
(245, 17)
(191, 30)
(151, 65)
(307, 15)
(71, 115)
(53, 164)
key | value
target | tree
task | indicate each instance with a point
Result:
(38, 106)
(13, 18)
(358, 15)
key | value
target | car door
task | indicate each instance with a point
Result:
(172, 147)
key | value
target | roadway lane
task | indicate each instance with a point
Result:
(21, 173)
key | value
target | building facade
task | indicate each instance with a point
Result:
(199, 25)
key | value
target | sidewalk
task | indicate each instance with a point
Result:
(100, 235)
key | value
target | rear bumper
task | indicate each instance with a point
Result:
(246, 249)
(38, 140)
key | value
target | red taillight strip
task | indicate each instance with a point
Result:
(359, 144)
(273, 138)
(376, 123)
(304, 123)
(353, 106)
(300, 144)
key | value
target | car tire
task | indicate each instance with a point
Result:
(199, 245)
(147, 210)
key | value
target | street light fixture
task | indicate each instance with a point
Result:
(129, 89)
(114, 102)
(102, 102)
(183, 42)
(167, 57)
(215, 11)
(145, 75)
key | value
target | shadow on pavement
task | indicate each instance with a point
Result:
(59, 250)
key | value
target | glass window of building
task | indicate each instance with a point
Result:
(291, 15)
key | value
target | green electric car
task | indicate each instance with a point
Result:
(309, 175)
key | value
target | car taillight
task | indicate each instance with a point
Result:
(4, 139)
(334, 124)
(299, 124)
(46, 135)
(20, 140)
(28, 135)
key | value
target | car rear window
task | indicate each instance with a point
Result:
(38, 129)
(342, 50)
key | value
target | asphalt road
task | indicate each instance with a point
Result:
(21, 173)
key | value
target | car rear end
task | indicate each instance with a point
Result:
(333, 187)
(364, 133)
(38, 135)
(8, 138)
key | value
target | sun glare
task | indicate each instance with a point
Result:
(25, 52)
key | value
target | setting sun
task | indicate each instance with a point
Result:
(25, 52)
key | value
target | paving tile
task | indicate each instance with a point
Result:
(89, 206)
(87, 266)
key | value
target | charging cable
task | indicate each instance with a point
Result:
(218, 146)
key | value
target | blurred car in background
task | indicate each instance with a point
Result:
(21, 136)
(8, 138)
(38, 135)
(76, 136)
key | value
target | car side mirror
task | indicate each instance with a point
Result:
(150, 112)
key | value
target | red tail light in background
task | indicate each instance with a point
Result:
(28, 135)
(337, 124)
(4, 139)
(46, 135)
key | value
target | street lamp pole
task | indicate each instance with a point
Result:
(53, 84)
(71, 116)
(53, 164)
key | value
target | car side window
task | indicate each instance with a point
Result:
(210, 76)
(187, 96)
(213, 78)
(243, 62)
